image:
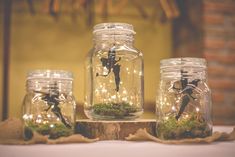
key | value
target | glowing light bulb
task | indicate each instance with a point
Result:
(113, 97)
(38, 121)
(25, 117)
(104, 90)
(30, 116)
(124, 99)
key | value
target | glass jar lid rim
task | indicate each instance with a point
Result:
(115, 26)
(49, 74)
(184, 61)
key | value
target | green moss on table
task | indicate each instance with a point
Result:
(58, 130)
(118, 110)
(191, 127)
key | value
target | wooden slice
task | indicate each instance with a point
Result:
(113, 130)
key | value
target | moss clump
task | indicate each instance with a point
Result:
(191, 127)
(118, 110)
(53, 131)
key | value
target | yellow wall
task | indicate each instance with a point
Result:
(39, 42)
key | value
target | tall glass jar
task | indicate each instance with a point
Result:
(49, 104)
(114, 74)
(184, 99)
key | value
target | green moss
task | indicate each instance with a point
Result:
(191, 127)
(118, 110)
(58, 130)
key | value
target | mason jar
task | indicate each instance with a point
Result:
(114, 74)
(49, 104)
(183, 105)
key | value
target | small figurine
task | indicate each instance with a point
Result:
(111, 64)
(53, 101)
(187, 91)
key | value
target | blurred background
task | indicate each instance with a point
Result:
(57, 34)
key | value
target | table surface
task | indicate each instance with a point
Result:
(122, 148)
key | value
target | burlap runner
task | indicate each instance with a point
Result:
(11, 133)
(143, 135)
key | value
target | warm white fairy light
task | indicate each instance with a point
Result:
(51, 125)
(104, 90)
(45, 122)
(177, 101)
(105, 71)
(127, 69)
(38, 120)
(135, 71)
(124, 99)
(173, 108)
(197, 109)
(124, 92)
(25, 116)
(113, 97)
(48, 115)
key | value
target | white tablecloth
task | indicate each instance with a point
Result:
(123, 149)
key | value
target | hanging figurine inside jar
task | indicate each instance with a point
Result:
(114, 79)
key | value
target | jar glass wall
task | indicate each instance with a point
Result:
(114, 74)
(184, 99)
(49, 105)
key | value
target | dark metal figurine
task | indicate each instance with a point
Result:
(52, 99)
(186, 89)
(111, 64)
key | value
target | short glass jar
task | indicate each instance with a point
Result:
(183, 105)
(49, 104)
(114, 74)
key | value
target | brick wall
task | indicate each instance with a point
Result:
(206, 28)
(219, 50)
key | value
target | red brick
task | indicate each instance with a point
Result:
(219, 6)
(219, 32)
(225, 84)
(221, 58)
(214, 43)
(231, 43)
(213, 19)
(217, 96)
(219, 43)
(221, 70)
(224, 111)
